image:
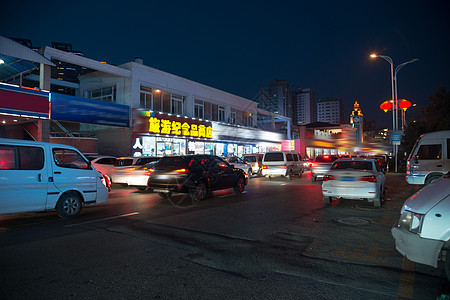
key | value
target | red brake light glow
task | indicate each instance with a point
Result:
(181, 171)
(263, 167)
(328, 177)
(149, 171)
(326, 156)
(370, 178)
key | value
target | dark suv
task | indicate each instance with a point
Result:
(196, 175)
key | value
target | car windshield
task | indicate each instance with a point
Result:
(355, 165)
(278, 156)
(326, 158)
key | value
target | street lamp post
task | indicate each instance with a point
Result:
(394, 94)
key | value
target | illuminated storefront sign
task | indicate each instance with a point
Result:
(164, 124)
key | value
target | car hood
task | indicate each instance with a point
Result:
(428, 196)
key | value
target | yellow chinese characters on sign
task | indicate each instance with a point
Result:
(180, 128)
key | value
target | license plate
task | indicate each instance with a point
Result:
(162, 176)
(348, 178)
(161, 190)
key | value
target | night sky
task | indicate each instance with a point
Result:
(239, 46)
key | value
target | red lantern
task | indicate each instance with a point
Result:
(386, 105)
(404, 104)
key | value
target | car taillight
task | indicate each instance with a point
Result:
(181, 171)
(106, 182)
(149, 171)
(311, 165)
(370, 178)
(328, 177)
(263, 167)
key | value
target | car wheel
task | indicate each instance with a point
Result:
(327, 200)
(240, 185)
(199, 192)
(250, 173)
(68, 206)
(141, 188)
(431, 179)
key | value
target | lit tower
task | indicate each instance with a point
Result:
(356, 120)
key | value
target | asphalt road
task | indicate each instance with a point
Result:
(276, 241)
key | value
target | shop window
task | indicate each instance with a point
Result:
(221, 116)
(232, 119)
(107, 94)
(199, 109)
(177, 104)
(146, 95)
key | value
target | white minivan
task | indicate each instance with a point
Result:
(282, 163)
(39, 176)
(429, 159)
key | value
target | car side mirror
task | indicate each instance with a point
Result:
(416, 159)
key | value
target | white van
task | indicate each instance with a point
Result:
(429, 159)
(39, 176)
(422, 232)
(282, 163)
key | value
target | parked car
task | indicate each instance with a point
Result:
(282, 163)
(124, 165)
(354, 178)
(102, 163)
(422, 231)
(135, 176)
(195, 175)
(255, 160)
(39, 176)
(429, 159)
(321, 165)
(240, 164)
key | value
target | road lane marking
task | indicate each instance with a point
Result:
(99, 220)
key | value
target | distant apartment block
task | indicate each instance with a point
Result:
(304, 106)
(330, 110)
(276, 98)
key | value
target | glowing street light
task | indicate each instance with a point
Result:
(394, 93)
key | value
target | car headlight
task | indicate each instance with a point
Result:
(411, 221)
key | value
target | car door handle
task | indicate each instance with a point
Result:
(57, 172)
(39, 177)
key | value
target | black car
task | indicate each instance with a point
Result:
(196, 175)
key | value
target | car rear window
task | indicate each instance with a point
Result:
(172, 162)
(144, 160)
(277, 156)
(250, 158)
(326, 158)
(122, 162)
(355, 165)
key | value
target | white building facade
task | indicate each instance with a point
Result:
(330, 110)
(305, 106)
(171, 115)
